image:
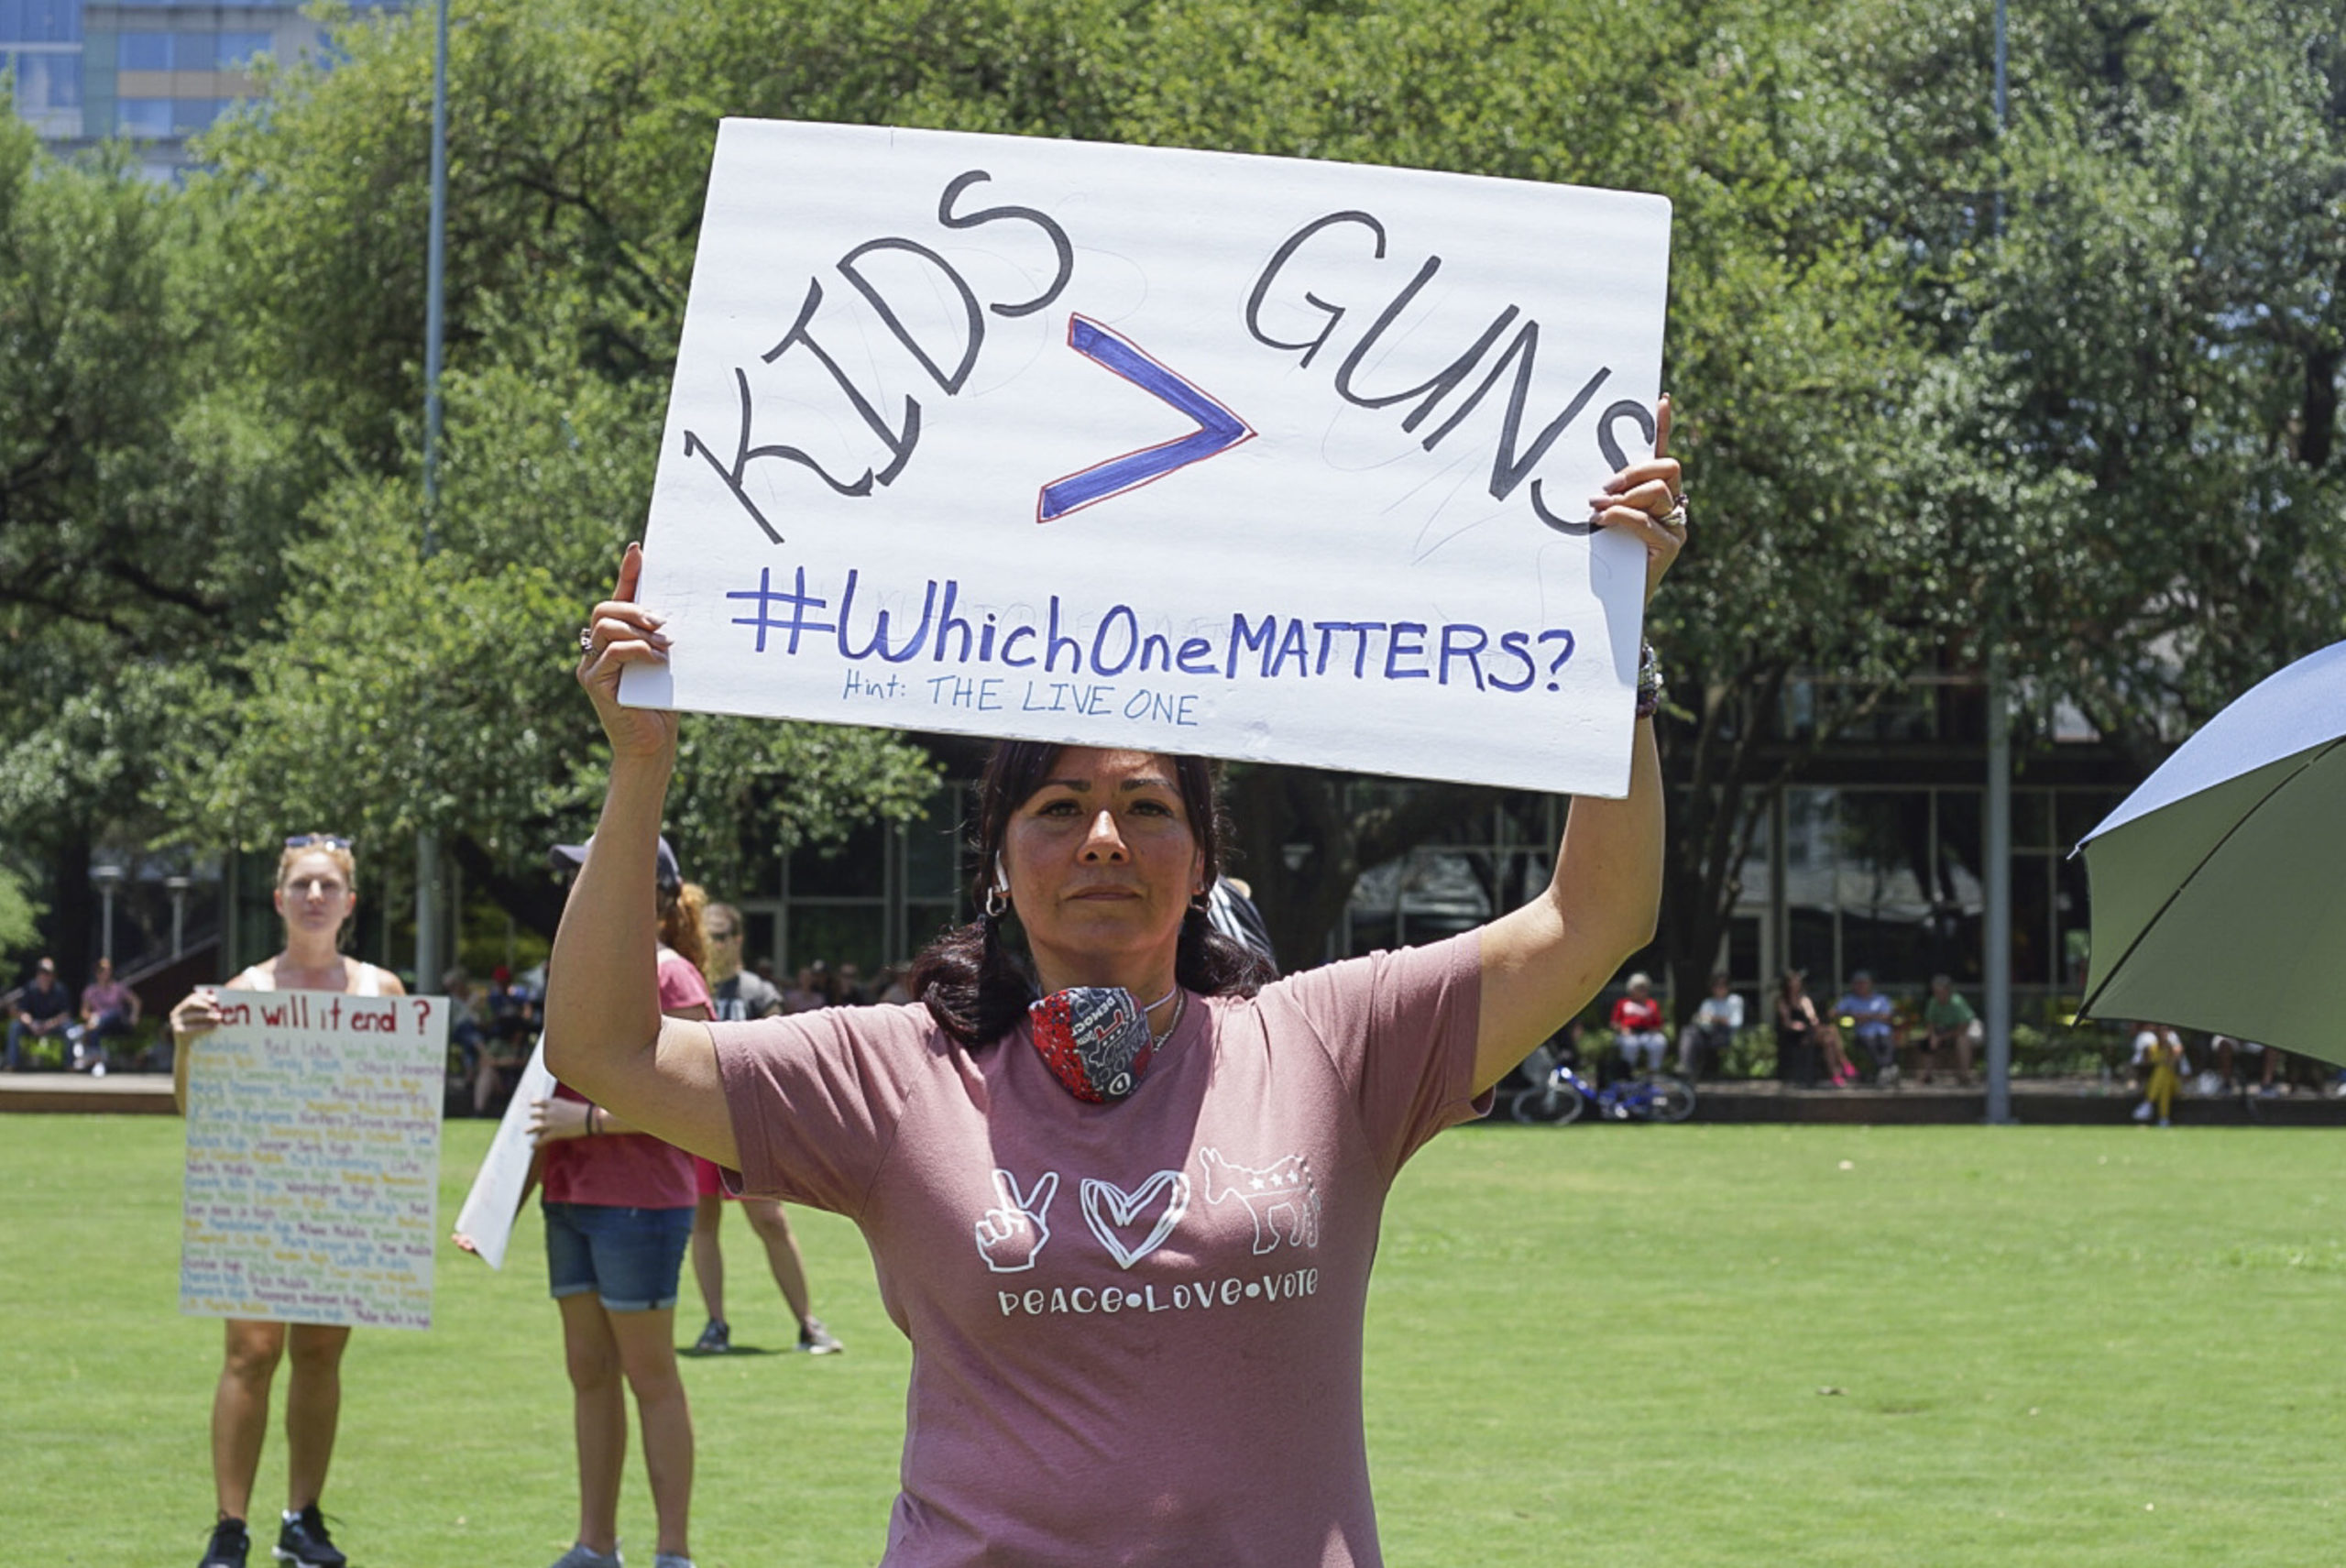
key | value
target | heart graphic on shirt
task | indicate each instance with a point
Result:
(1107, 1206)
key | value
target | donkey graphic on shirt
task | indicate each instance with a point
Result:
(1283, 1190)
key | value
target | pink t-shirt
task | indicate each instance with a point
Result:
(1137, 1327)
(105, 996)
(628, 1170)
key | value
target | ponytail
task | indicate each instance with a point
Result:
(680, 909)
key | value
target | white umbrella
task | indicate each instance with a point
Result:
(2219, 886)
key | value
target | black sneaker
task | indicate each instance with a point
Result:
(302, 1540)
(814, 1339)
(715, 1340)
(229, 1545)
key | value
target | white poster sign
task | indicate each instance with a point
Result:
(313, 1159)
(1248, 457)
(487, 1218)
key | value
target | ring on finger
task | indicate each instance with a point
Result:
(585, 639)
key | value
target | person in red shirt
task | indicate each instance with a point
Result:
(1638, 1026)
(619, 1213)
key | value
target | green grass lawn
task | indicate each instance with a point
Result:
(1610, 1346)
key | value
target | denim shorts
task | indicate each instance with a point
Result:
(630, 1257)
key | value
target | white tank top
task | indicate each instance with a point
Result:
(364, 979)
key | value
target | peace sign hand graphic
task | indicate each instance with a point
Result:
(1010, 1237)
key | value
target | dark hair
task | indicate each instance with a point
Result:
(978, 989)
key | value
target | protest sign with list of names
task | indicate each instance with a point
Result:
(1193, 452)
(313, 1159)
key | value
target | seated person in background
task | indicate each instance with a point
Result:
(1717, 1022)
(505, 1043)
(44, 1010)
(1638, 1026)
(2227, 1050)
(2159, 1066)
(1948, 1021)
(1867, 1013)
(1837, 1059)
(109, 1011)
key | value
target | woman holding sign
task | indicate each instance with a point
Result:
(317, 891)
(1122, 1197)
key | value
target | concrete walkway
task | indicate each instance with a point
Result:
(2035, 1102)
(119, 1093)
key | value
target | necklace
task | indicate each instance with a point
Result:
(1180, 1000)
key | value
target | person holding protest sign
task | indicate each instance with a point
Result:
(619, 1213)
(1123, 1196)
(317, 892)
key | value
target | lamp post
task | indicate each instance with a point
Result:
(1996, 927)
(178, 886)
(427, 841)
(108, 878)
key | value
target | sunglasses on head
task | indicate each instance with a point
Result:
(317, 840)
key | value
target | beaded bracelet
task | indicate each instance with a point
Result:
(1650, 683)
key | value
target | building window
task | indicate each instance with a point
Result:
(46, 82)
(146, 117)
(40, 21)
(234, 51)
(193, 116)
(144, 51)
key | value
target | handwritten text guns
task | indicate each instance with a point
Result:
(1286, 279)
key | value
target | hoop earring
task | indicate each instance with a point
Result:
(997, 901)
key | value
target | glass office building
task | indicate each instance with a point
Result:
(153, 75)
(41, 44)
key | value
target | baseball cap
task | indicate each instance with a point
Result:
(570, 857)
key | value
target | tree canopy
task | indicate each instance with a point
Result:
(2069, 390)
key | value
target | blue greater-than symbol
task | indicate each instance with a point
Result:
(1218, 430)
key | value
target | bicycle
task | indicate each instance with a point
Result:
(1564, 1094)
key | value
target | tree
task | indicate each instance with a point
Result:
(398, 692)
(138, 524)
(19, 916)
(2161, 328)
(2100, 438)
(575, 176)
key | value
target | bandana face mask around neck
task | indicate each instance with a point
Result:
(1096, 1040)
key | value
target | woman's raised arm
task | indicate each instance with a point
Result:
(604, 1035)
(1542, 962)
